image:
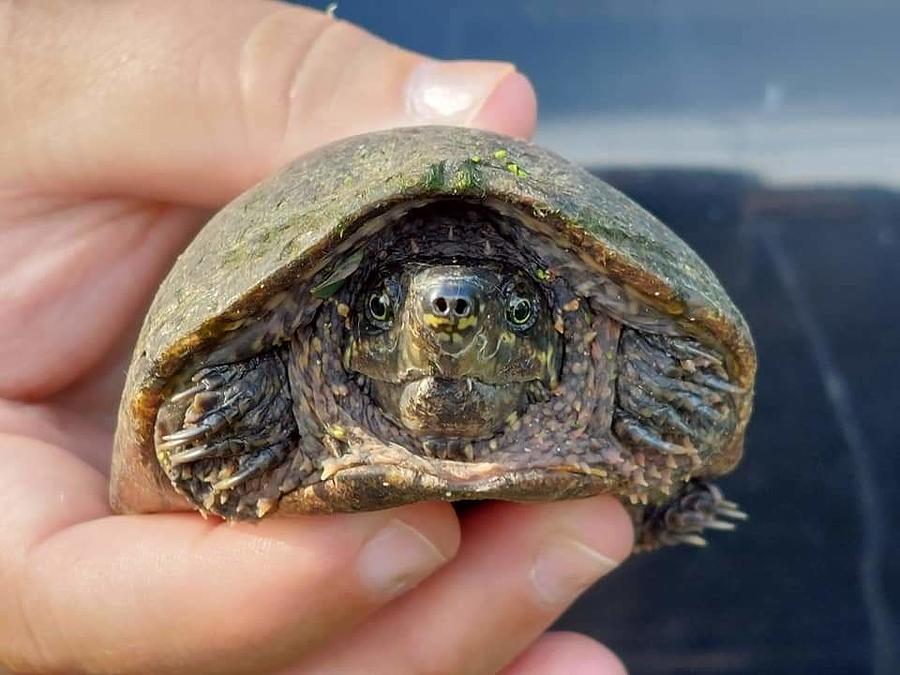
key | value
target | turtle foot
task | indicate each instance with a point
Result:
(234, 426)
(700, 506)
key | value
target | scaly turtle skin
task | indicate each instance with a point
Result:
(436, 313)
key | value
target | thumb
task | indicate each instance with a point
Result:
(193, 101)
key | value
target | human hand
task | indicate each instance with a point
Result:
(124, 125)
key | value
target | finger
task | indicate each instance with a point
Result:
(519, 567)
(84, 591)
(566, 654)
(194, 101)
(74, 277)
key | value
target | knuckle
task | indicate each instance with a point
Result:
(292, 63)
(273, 51)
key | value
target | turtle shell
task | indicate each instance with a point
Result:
(290, 226)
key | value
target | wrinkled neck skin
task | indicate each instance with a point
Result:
(450, 375)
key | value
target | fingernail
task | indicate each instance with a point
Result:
(397, 558)
(564, 568)
(452, 91)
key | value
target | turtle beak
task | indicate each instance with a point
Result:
(448, 309)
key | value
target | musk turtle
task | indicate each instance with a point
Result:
(436, 313)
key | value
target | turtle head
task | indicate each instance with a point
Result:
(454, 350)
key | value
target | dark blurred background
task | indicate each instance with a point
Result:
(767, 134)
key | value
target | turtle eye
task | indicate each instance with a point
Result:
(378, 307)
(521, 310)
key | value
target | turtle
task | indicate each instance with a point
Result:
(436, 313)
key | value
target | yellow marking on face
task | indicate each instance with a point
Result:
(436, 321)
(467, 322)
(456, 337)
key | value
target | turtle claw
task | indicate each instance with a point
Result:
(698, 507)
(236, 425)
(252, 465)
(188, 393)
(235, 480)
(206, 379)
(734, 514)
(184, 436)
(718, 383)
(721, 525)
(691, 540)
(191, 455)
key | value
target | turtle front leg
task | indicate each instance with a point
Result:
(697, 507)
(225, 440)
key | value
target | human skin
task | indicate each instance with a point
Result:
(124, 125)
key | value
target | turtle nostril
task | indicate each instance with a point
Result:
(461, 307)
(451, 299)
